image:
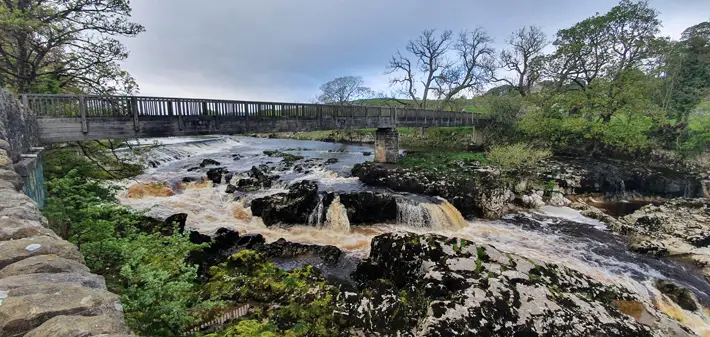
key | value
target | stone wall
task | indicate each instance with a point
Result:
(45, 287)
(17, 126)
(386, 145)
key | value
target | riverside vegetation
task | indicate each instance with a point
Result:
(641, 99)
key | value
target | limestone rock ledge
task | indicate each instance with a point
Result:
(45, 288)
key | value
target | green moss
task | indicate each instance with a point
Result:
(286, 156)
(305, 301)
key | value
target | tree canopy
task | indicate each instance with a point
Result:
(65, 46)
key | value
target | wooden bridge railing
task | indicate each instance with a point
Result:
(57, 106)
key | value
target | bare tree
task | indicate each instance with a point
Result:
(429, 53)
(344, 90)
(474, 67)
(524, 57)
(443, 65)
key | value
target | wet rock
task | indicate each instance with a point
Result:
(288, 250)
(679, 227)
(165, 225)
(452, 287)
(191, 179)
(366, 153)
(618, 179)
(257, 178)
(209, 162)
(216, 174)
(483, 193)
(221, 245)
(368, 207)
(681, 296)
(237, 156)
(230, 189)
(293, 207)
(287, 157)
(331, 161)
(249, 241)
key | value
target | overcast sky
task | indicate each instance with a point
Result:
(283, 50)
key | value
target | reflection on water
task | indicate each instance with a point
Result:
(551, 234)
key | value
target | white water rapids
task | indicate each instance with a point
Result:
(551, 234)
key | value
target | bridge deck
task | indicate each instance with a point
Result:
(64, 118)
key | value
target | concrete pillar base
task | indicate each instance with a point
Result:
(386, 145)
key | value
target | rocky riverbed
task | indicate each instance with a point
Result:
(408, 252)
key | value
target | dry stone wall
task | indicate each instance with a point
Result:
(45, 287)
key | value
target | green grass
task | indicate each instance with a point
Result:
(450, 164)
(703, 107)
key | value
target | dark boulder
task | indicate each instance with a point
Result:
(369, 207)
(164, 226)
(230, 189)
(481, 193)
(221, 245)
(209, 162)
(283, 249)
(190, 179)
(216, 174)
(257, 178)
(293, 207)
(619, 179)
(681, 296)
(331, 161)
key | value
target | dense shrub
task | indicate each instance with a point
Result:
(518, 157)
(159, 292)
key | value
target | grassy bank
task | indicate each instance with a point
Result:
(449, 138)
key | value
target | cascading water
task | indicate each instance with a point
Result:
(553, 235)
(316, 217)
(336, 218)
(433, 213)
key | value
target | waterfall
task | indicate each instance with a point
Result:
(438, 214)
(316, 217)
(336, 218)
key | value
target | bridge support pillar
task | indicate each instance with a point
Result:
(386, 145)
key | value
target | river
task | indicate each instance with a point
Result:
(551, 234)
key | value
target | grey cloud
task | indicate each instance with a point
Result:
(284, 49)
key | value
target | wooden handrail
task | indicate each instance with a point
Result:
(50, 105)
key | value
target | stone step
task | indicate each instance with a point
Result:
(20, 314)
(27, 281)
(16, 250)
(43, 264)
(73, 326)
(13, 229)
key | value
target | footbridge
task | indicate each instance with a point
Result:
(63, 118)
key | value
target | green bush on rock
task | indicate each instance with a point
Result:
(517, 157)
(298, 302)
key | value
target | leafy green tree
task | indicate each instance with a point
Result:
(65, 45)
(602, 53)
